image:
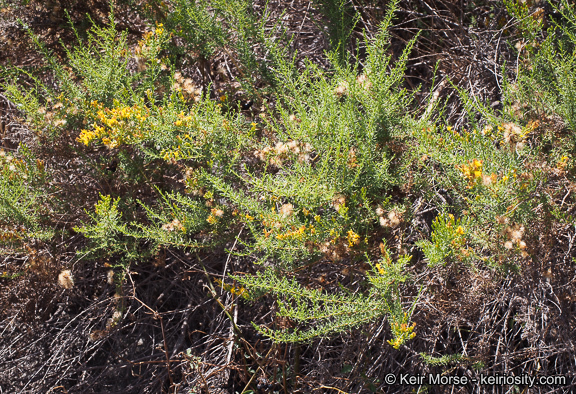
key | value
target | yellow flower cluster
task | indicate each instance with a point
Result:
(183, 120)
(298, 233)
(401, 332)
(239, 291)
(472, 171)
(215, 214)
(562, 163)
(159, 29)
(455, 230)
(7, 235)
(353, 238)
(144, 46)
(119, 125)
(455, 233)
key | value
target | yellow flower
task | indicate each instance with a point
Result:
(98, 130)
(112, 122)
(352, 238)
(562, 163)
(460, 230)
(85, 137)
(472, 170)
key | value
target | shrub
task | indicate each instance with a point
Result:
(332, 189)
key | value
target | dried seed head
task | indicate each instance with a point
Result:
(384, 222)
(501, 219)
(487, 129)
(338, 200)
(341, 89)
(515, 232)
(293, 146)
(486, 180)
(293, 118)
(65, 279)
(394, 218)
(304, 158)
(281, 148)
(512, 128)
(189, 86)
(286, 210)
(363, 81)
(173, 225)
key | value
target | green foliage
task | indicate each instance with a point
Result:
(488, 180)
(448, 241)
(107, 226)
(232, 27)
(21, 212)
(318, 313)
(331, 162)
(546, 79)
(341, 20)
(442, 361)
(325, 166)
(494, 173)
